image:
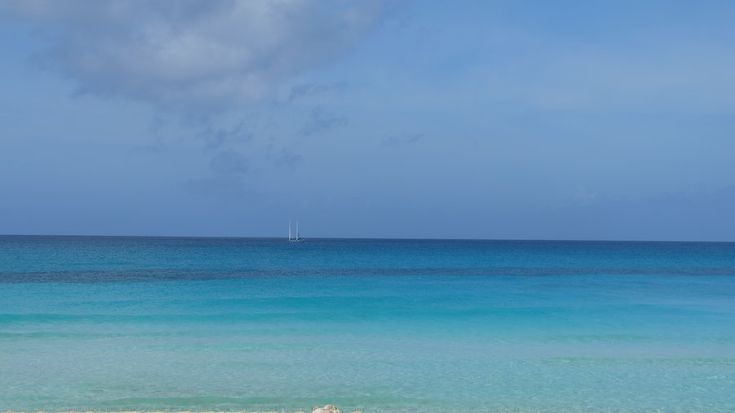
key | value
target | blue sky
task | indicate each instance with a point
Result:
(487, 119)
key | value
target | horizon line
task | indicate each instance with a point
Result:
(366, 238)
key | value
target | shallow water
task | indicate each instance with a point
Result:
(102, 323)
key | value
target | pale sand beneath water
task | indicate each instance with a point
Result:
(329, 408)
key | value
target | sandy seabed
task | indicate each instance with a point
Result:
(329, 408)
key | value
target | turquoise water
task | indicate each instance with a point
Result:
(94, 323)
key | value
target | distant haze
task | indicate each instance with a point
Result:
(411, 119)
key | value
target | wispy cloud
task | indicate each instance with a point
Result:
(322, 121)
(218, 137)
(285, 157)
(309, 89)
(403, 139)
(229, 162)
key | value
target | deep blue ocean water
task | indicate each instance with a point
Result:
(115, 323)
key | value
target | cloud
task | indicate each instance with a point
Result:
(229, 162)
(284, 157)
(191, 54)
(218, 137)
(322, 121)
(403, 139)
(308, 89)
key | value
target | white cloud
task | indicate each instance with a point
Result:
(191, 54)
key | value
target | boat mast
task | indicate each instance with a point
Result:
(289, 230)
(297, 230)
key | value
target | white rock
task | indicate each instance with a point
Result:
(330, 408)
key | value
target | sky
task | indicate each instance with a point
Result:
(594, 120)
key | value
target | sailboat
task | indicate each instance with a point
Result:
(291, 238)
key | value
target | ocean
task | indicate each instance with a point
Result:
(137, 323)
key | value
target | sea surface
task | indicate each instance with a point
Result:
(129, 323)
